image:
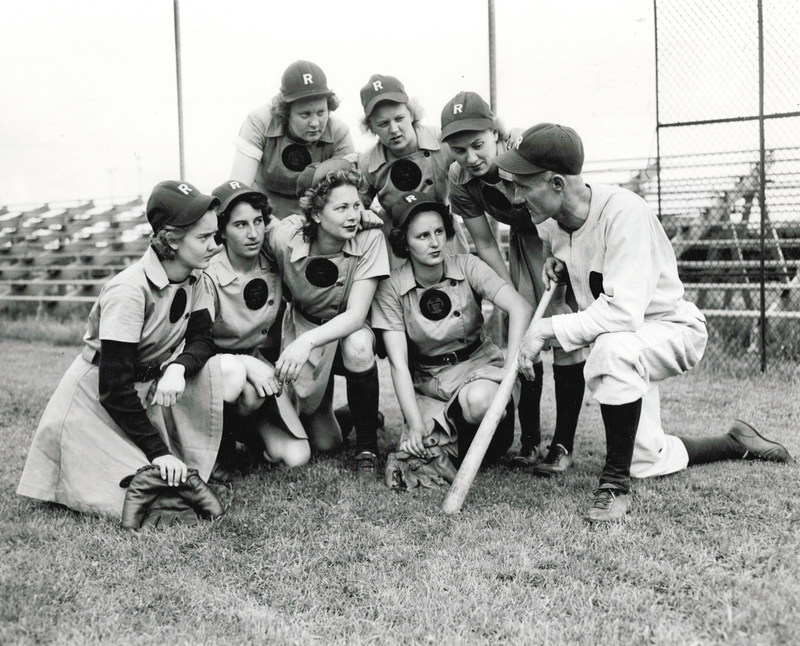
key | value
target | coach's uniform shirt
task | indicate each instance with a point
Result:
(424, 170)
(473, 197)
(243, 308)
(625, 277)
(79, 453)
(440, 320)
(281, 158)
(319, 287)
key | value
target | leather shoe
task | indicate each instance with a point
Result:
(557, 462)
(366, 466)
(609, 505)
(758, 447)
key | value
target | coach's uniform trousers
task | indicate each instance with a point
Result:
(632, 315)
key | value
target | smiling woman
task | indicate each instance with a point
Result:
(146, 388)
(278, 140)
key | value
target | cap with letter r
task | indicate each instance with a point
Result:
(466, 111)
(177, 204)
(232, 190)
(545, 146)
(313, 174)
(302, 80)
(413, 202)
(382, 88)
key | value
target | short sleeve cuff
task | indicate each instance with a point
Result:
(247, 148)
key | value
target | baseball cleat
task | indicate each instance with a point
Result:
(609, 505)
(756, 446)
(557, 462)
(366, 467)
(527, 457)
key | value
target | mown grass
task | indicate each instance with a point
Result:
(708, 556)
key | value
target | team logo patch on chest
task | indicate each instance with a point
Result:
(321, 272)
(178, 307)
(256, 293)
(296, 157)
(405, 175)
(596, 283)
(435, 305)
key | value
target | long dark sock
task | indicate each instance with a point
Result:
(363, 391)
(569, 399)
(528, 410)
(501, 441)
(621, 423)
(702, 450)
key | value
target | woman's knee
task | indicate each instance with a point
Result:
(234, 376)
(475, 399)
(358, 350)
(296, 453)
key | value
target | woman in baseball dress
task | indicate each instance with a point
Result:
(445, 372)
(146, 388)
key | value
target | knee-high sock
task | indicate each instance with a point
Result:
(702, 450)
(363, 391)
(528, 411)
(501, 441)
(621, 423)
(570, 384)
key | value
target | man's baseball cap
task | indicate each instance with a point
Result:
(178, 204)
(232, 190)
(382, 88)
(413, 202)
(313, 174)
(545, 146)
(466, 111)
(303, 79)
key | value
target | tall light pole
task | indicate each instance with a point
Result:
(180, 91)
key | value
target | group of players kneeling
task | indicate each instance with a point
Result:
(231, 326)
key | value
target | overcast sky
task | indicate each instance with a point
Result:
(89, 97)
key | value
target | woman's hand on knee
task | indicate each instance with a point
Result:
(292, 359)
(264, 378)
(173, 470)
(171, 386)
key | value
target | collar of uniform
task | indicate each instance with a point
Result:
(302, 249)
(464, 176)
(427, 139)
(226, 274)
(276, 129)
(155, 273)
(408, 282)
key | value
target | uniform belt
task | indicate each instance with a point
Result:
(450, 358)
(316, 320)
(142, 372)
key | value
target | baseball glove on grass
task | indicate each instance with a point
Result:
(151, 502)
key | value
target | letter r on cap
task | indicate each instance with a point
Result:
(458, 107)
(308, 79)
(377, 86)
(185, 189)
(234, 185)
(518, 142)
(411, 198)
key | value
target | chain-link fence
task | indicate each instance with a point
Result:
(727, 174)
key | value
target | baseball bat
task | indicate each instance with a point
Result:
(483, 436)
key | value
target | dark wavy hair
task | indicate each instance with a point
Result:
(398, 236)
(258, 202)
(314, 199)
(279, 109)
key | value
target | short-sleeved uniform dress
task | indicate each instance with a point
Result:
(444, 319)
(281, 158)
(424, 170)
(319, 287)
(472, 197)
(79, 454)
(243, 310)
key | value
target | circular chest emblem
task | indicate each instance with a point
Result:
(321, 272)
(255, 293)
(405, 175)
(178, 306)
(435, 305)
(296, 157)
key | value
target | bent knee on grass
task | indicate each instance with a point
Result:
(475, 399)
(285, 448)
(234, 377)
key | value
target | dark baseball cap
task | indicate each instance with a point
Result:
(233, 189)
(413, 202)
(303, 79)
(178, 204)
(466, 111)
(313, 174)
(382, 88)
(545, 146)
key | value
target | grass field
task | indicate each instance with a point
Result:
(708, 556)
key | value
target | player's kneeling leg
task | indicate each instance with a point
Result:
(361, 373)
(468, 411)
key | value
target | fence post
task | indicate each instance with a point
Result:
(762, 188)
